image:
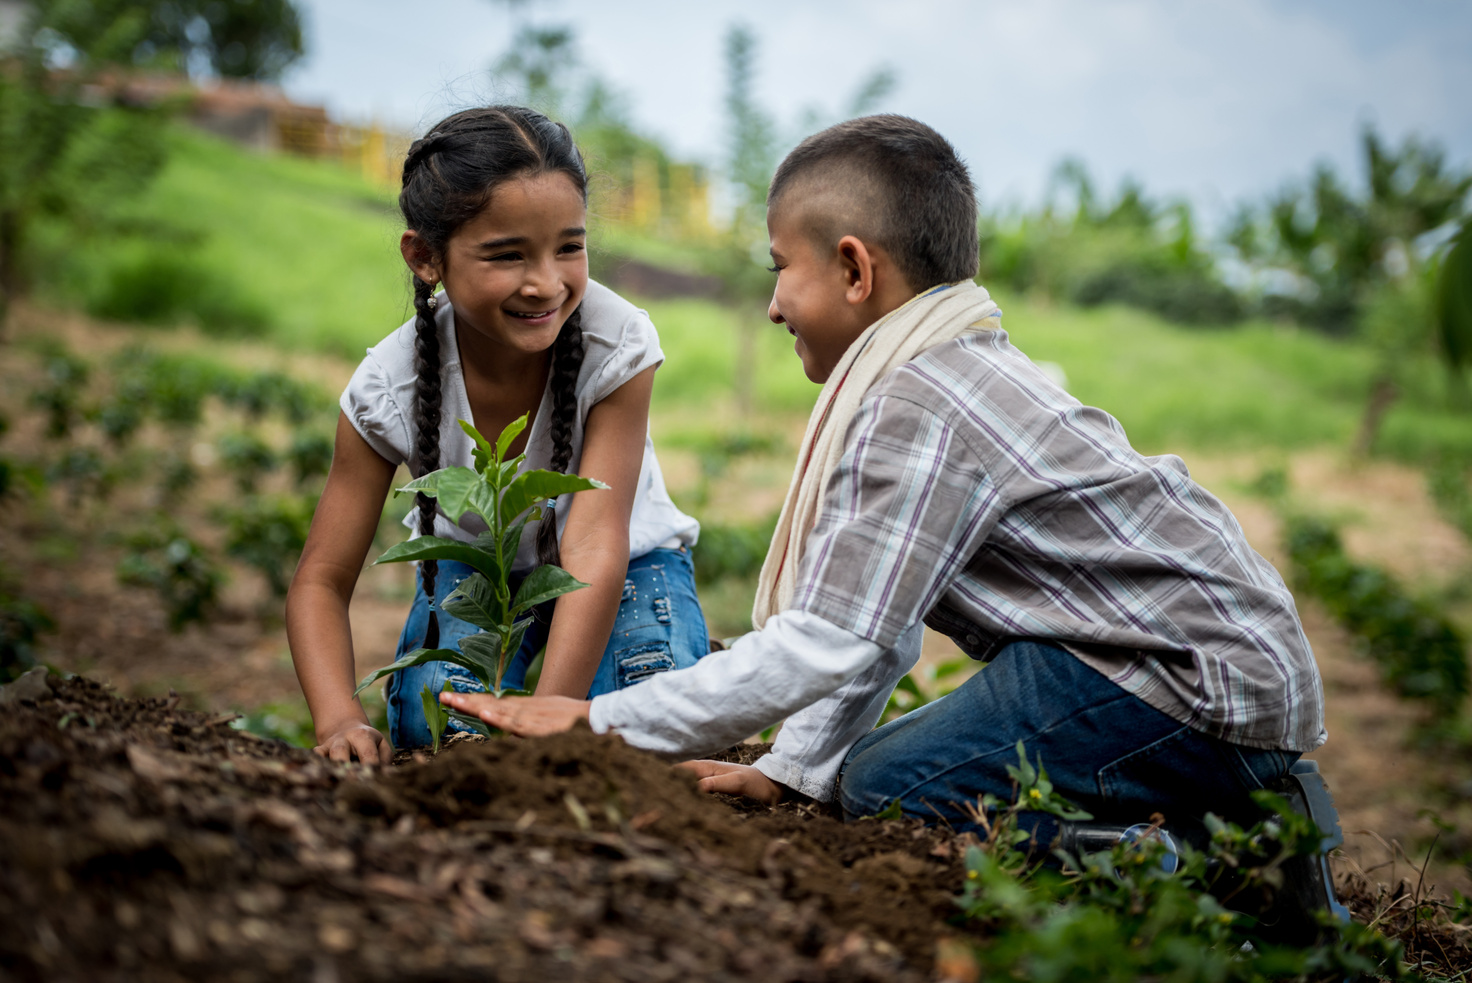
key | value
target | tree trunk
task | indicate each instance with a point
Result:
(1382, 395)
(9, 264)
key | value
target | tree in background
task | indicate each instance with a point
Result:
(753, 146)
(544, 70)
(1453, 311)
(241, 39)
(1129, 250)
(73, 140)
(1335, 246)
(1364, 262)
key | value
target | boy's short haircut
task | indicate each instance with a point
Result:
(890, 180)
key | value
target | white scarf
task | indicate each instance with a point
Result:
(932, 318)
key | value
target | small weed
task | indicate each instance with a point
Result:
(21, 623)
(1121, 915)
(64, 377)
(268, 535)
(247, 457)
(1420, 651)
(178, 569)
(310, 455)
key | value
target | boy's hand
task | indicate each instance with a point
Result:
(356, 739)
(524, 716)
(732, 779)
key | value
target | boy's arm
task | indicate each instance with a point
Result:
(795, 660)
(812, 744)
(724, 698)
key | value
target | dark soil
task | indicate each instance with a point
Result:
(139, 840)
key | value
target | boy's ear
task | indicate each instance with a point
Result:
(857, 264)
(420, 259)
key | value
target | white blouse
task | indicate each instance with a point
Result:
(619, 342)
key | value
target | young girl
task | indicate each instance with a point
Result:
(495, 203)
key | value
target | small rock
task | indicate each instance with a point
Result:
(30, 685)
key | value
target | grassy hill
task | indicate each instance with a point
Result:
(304, 254)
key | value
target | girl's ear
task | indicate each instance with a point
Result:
(420, 259)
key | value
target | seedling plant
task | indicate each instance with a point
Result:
(506, 501)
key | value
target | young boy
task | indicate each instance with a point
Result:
(1135, 642)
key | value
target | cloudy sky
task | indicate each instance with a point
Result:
(1212, 99)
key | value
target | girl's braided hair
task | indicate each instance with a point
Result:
(449, 176)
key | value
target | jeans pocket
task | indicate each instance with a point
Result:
(1151, 773)
(638, 662)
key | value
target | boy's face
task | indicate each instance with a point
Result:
(811, 296)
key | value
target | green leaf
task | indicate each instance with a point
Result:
(456, 489)
(891, 811)
(485, 454)
(474, 723)
(508, 435)
(484, 650)
(474, 601)
(543, 584)
(430, 483)
(531, 487)
(483, 502)
(513, 645)
(436, 714)
(414, 658)
(511, 541)
(436, 548)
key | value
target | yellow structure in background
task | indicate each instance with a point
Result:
(374, 152)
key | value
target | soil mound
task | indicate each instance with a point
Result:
(140, 840)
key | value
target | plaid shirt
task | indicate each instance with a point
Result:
(978, 496)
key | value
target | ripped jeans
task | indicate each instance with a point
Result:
(659, 626)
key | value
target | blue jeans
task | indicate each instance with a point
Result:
(1107, 750)
(659, 626)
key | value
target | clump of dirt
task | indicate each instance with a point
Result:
(138, 836)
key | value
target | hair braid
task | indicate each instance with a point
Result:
(427, 430)
(567, 361)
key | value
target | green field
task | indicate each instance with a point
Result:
(308, 251)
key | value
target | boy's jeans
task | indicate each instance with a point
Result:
(659, 626)
(1107, 750)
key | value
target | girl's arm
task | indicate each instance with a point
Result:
(317, 604)
(595, 541)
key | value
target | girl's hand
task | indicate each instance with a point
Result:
(524, 716)
(733, 779)
(356, 739)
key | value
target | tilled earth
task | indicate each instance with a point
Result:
(139, 840)
(142, 841)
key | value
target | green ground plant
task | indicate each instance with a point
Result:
(505, 501)
(93, 413)
(1421, 652)
(1121, 915)
(22, 622)
(179, 569)
(1450, 483)
(267, 534)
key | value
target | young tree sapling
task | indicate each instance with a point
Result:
(506, 501)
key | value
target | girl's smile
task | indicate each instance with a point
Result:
(516, 271)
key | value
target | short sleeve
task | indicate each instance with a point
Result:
(368, 403)
(637, 349)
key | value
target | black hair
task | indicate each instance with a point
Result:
(449, 176)
(902, 183)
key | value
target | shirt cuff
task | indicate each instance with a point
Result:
(813, 783)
